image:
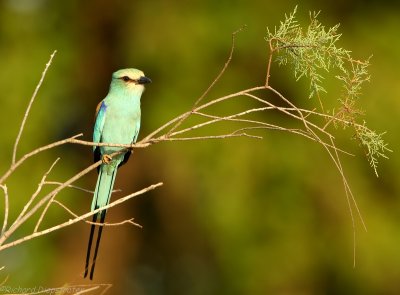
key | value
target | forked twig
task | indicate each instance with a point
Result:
(44, 200)
(18, 163)
(29, 107)
(77, 187)
(130, 221)
(211, 85)
(80, 218)
(39, 188)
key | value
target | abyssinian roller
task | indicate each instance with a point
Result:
(117, 121)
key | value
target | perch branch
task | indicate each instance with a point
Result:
(44, 200)
(130, 221)
(82, 217)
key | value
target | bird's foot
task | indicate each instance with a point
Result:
(106, 159)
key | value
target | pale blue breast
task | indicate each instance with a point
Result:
(122, 121)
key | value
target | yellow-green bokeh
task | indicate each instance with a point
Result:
(238, 216)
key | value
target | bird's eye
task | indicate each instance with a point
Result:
(125, 78)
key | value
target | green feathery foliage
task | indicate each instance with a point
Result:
(374, 144)
(313, 52)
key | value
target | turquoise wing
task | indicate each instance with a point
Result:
(99, 121)
(136, 131)
(98, 129)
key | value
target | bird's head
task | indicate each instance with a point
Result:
(129, 79)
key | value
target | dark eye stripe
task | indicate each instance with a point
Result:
(126, 78)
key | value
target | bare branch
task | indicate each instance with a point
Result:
(29, 107)
(6, 208)
(216, 119)
(45, 199)
(130, 221)
(39, 188)
(211, 85)
(222, 136)
(77, 187)
(49, 202)
(14, 166)
(82, 217)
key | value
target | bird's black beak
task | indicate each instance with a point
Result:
(143, 80)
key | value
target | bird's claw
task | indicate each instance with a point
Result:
(106, 159)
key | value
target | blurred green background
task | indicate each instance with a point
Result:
(238, 216)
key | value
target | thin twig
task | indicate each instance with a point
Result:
(82, 217)
(29, 107)
(271, 52)
(14, 166)
(222, 136)
(219, 119)
(130, 221)
(263, 125)
(39, 188)
(301, 116)
(67, 289)
(48, 203)
(211, 85)
(45, 199)
(349, 195)
(5, 279)
(6, 208)
(337, 162)
(149, 138)
(77, 187)
(70, 186)
(141, 144)
(229, 96)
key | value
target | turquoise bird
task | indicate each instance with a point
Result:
(117, 121)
